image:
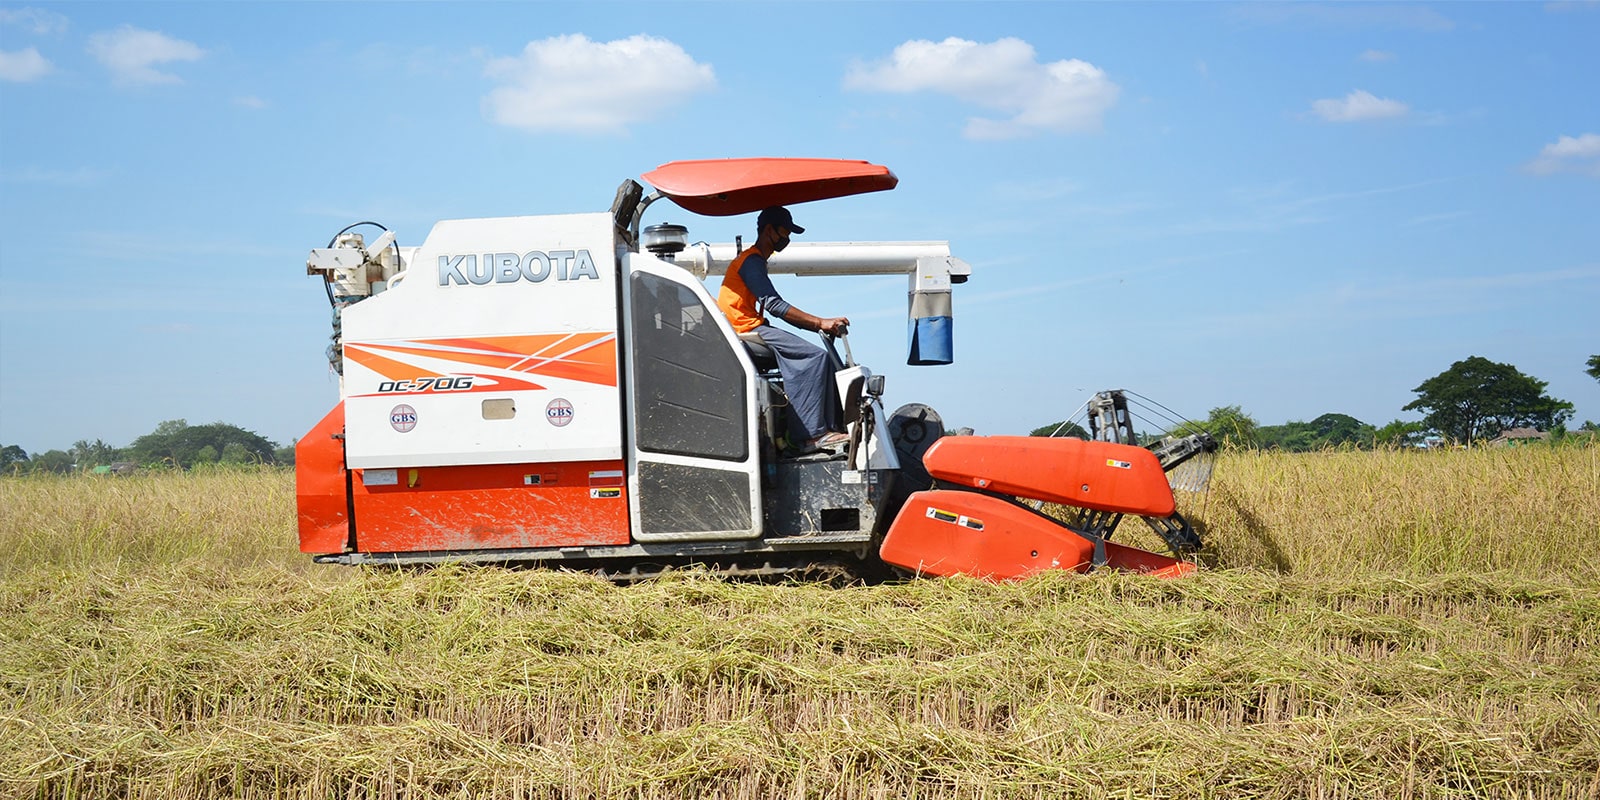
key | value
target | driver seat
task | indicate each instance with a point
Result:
(760, 353)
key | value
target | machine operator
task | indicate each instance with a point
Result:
(747, 297)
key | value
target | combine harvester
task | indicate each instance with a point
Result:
(562, 390)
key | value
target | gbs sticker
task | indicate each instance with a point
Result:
(402, 418)
(559, 412)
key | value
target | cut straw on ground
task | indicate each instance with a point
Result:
(1369, 625)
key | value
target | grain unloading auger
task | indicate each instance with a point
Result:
(563, 390)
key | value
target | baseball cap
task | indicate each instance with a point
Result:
(778, 216)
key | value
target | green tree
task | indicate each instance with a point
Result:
(177, 443)
(13, 457)
(1293, 436)
(1231, 427)
(1477, 398)
(1588, 433)
(1594, 367)
(1071, 430)
(1334, 430)
(59, 462)
(94, 454)
(164, 445)
(1400, 433)
(1328, 430)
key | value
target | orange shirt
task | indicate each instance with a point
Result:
(736, 300)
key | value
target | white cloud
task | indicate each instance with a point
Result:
(1005, 75)
(1376, 56)
(250, 101)
(23, 65)
(35, 20)
(1580, 154)
(132, 54)
(1359, 106)
(1585, 146)
(569, 83)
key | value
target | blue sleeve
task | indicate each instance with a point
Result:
(754, 274)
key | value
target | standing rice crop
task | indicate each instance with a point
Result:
(1527, 511)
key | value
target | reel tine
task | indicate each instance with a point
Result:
(1193, 475)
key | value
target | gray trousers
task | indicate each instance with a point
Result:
(808, 381)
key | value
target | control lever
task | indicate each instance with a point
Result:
(828, 338)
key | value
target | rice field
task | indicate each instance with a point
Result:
(1406, 625)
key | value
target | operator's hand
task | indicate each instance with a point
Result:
(835, 326)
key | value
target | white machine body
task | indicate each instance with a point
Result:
(497, 344)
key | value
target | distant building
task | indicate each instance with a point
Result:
(1514, 437)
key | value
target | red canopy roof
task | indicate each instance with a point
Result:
(727, 186)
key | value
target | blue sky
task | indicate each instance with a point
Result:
(1294, 208)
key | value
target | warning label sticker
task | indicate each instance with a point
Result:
(954, 518)
(1111, 462)
(605, 477)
